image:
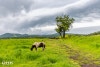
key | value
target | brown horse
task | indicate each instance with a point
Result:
(37, 45)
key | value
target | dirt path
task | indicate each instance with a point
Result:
(84, 59)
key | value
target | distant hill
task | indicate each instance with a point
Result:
(8, 35)
(14, 35)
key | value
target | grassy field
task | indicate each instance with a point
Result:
(73, 51)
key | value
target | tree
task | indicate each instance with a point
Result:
(63, 24)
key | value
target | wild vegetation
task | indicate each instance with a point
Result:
(73, 51)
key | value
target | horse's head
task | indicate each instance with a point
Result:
(33, 46)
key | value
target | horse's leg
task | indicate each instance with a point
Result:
(36, 49)
(43, 48)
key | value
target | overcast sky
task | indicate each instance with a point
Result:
(38, 16)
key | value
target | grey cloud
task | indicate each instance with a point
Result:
(85, 30)
(43, 21)
(51, 3)
(14, 6)
(91, 7)
(79, 13)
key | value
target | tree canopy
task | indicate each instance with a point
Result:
(64, 23)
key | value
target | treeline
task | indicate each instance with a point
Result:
(95, 33)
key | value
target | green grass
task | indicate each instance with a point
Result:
(69, 52)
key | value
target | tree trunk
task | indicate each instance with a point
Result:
(64, 34)
(60, 35)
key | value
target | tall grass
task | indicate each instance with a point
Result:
(55, 55)
(18, 51)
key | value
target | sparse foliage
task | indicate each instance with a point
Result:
(63, 24)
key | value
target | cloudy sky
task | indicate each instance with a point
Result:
(38, 16)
